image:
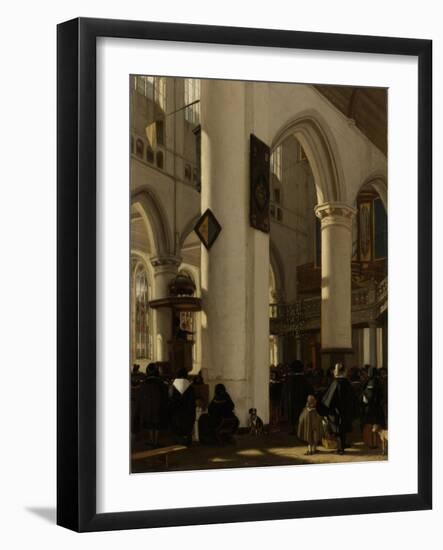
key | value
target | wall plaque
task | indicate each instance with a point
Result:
(260, 155)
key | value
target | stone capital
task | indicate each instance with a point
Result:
(335, 213)
(165, 264)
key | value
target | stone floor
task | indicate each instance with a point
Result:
(275, 449)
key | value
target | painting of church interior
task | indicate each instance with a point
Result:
(259, 289)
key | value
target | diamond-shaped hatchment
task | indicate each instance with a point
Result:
(207, 228)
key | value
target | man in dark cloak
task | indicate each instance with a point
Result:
(152, 402)
(339, 403)
(182, 408)
(296, 391)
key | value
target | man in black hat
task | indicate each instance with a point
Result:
(339, 402)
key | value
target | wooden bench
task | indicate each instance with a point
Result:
(161, 451)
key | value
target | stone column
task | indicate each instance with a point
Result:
(373, 344)
(235, 317)
(336, 245)
(165, 269)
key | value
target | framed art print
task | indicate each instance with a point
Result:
(244, 274)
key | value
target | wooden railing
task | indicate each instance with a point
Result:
(367, 304)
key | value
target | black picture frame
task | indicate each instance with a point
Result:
(76, 265)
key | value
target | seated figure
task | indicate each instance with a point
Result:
(220, 422)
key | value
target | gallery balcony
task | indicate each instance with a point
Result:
(368, 304)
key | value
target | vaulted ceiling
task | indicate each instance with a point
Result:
(366, 106)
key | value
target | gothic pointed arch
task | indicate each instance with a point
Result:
(322, 154)
(149, 207)
(378, 183)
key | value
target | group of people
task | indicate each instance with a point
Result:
(174, 406)
(158, 404)
(314, 405)
(314, 411)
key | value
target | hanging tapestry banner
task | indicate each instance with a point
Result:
(260, 155)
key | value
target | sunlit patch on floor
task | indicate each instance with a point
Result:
(250, 452)
(284, 451)
(267, 450)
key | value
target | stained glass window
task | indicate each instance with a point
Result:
(142, 318)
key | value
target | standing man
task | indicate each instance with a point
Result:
(152, 403)
(339, 401)
(182, 408)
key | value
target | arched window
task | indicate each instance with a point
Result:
(142, 317)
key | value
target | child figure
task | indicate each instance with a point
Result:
(310, 425)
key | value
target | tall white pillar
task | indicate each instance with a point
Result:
(235, 271)
(165, 269)
(257, 323)
(336, 243)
